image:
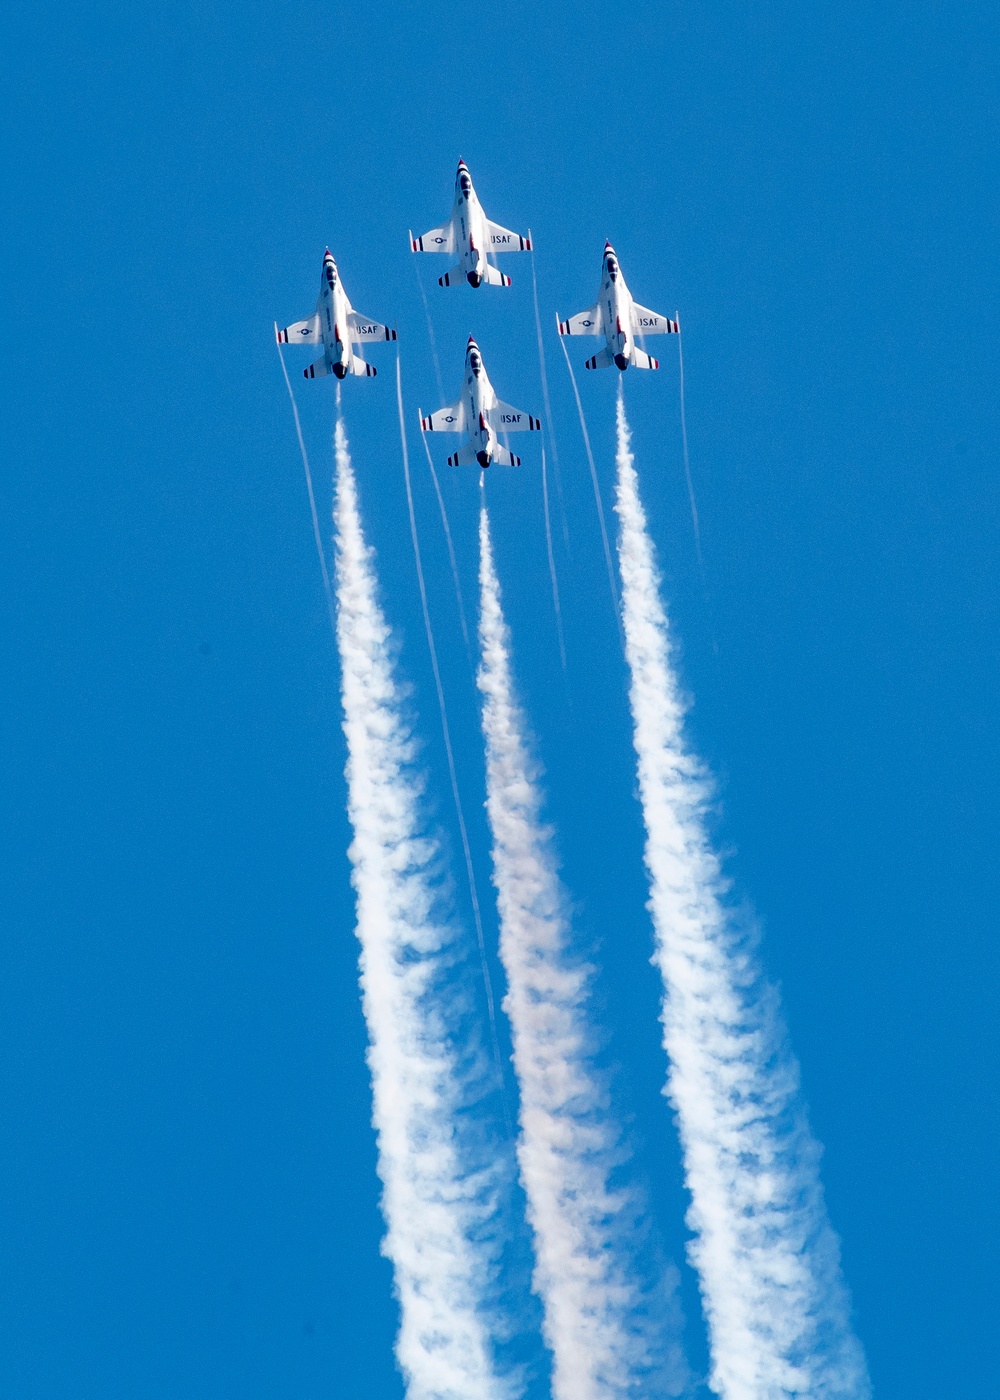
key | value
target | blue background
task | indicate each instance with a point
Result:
(189, 1202)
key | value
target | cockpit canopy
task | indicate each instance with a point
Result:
(465, 183)
(475, 362)
(613, 269)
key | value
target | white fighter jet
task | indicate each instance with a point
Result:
(336, 326)
(479, 413)
(619, 319)
(471, 235)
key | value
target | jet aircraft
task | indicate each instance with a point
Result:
(471, 235)
(479, 413)
(336, 326)
(619, 319)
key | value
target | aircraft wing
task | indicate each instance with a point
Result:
(445, 420)
(437, 240)
(305, 332)
(505, 418)
(363, 330)
(585, 323)
(646, 322)
(504, 240)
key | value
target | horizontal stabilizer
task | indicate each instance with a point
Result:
(466, 457)
(495, 278)
(492, 276)
(643, 361)
(361, 367)
(317, 370)
(602, 360)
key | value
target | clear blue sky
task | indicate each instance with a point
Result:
(189, 1204)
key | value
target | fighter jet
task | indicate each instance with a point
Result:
(470, 234)
(619, 319)
(479, 413)
(336, 326)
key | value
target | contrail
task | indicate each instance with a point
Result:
(609, 1330)
(430, 331)
(687, 461)
(451, 546)
(548, 406)
(321, 552)
(597, 488)
(768, 1261)
(437, 1204)
(552, 563)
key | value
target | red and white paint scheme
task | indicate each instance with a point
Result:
(469, 234)
(619, 319)
(482, 416)
(337, 327)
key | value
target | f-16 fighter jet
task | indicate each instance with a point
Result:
(470, 234)
(336, 326)
(479, 413)
(619, 319)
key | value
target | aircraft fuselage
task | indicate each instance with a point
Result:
(616, 303)
(471, 232)
(334, 310)
(480, 398)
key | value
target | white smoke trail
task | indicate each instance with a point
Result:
(436, 1203)
(606, 1328)
(768, 1261)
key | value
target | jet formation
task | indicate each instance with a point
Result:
(477, 412)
